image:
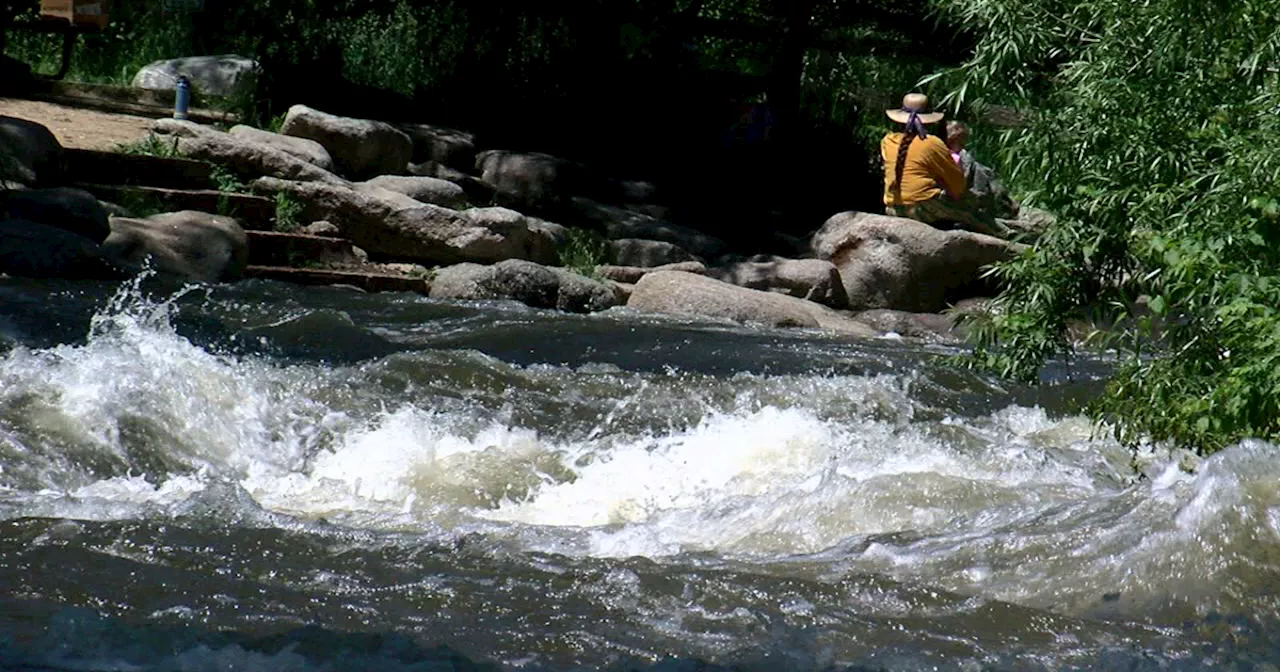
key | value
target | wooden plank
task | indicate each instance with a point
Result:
(98, 167)
(253, 212)
(370, 282)
(274, 248)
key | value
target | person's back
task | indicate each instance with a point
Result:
(926, 173)
(921, 180)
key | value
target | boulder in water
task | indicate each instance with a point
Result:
(34, 250)
(74, 210)
(902, 264)
(188, 245)
(680, 293)
(526, 282)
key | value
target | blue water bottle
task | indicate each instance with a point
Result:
(182, 98)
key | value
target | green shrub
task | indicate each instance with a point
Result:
(152, 145)
(1152, 134)
(289, 212)
(584, 250)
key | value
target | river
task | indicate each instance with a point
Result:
(258, 476)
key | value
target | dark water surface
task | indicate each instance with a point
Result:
(266, 477)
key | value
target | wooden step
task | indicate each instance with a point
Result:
(272, 248)
(369, 282)
(253, 212)
(97, 167)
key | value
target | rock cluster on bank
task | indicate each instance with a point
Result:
(492, 224)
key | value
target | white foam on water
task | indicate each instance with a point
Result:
(784, 481)
(1016, 505)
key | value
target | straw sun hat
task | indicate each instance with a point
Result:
(918, 103)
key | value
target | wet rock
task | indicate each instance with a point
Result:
(361, 148)
(902, 264)
(524, 281)
(73, 210)
(29, 153)
(647, 253)
(209, 75)
(239, 155)
(423, 189)
(189, 246)
(680, 293)
(925, 326)
(307, 150)
(810, 279)
(447, 146)
(33, 250)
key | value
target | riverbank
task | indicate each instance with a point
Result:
(456, 221)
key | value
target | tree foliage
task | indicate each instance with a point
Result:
(1153, 132)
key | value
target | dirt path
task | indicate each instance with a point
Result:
(77, 127)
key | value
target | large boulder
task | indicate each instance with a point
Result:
(308, 150)
(73, 210)
(210, 75)
(811, 279)
(424, 189)
(647, 253)
(447, 146)
(680, 293)
(624, 223)
(526, 282)
(240, 155)
(349, 206)
(189, 246)
(902, 264)
(33, 250)
(391, 225)
(29, 153)
(361, 148)
(533, 180)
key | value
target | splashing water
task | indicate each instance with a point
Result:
(509, 499)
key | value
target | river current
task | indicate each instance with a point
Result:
(259, 476)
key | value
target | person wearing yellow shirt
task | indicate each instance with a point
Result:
(921, 180)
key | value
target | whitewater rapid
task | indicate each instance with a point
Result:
(819, 477)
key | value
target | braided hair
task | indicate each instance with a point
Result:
(912, 129)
